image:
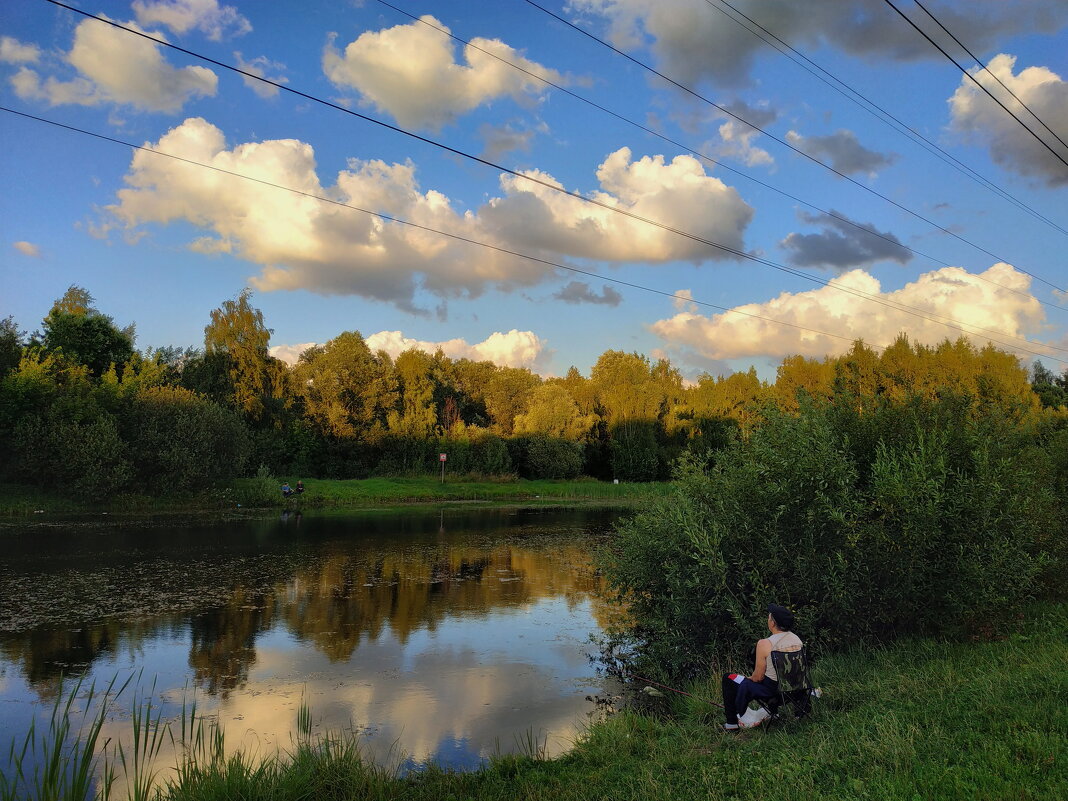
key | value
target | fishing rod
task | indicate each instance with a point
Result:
(680, 692)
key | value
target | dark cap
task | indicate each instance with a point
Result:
(782, 616)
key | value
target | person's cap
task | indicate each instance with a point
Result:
(782, 616)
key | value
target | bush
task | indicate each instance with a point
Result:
(84, 459)
(179, 439)
(936, 528)
(541, 456)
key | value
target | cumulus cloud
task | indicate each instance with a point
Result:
(949, 292)
(683, 301)
(580, 292)
(843, 151)
(27, 249)
(981, 120)
(12, 51)
(290, 354)
(693, 42)
(535, 217)
(514, 349)
(737, 142)
(115, 67)
(841, 245)
(182, 16)
(264, 68)
(303, 243)
(410, 72)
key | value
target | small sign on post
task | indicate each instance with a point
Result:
(441, 458)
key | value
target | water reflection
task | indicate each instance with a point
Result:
(451, 634)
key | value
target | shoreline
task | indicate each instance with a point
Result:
(239, 498)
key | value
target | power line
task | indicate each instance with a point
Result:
(873, 108)
(547, 184)
(972, 78)
(976, 59)
(698, 153)
(428, 229)
(775, 138)
(508, 251)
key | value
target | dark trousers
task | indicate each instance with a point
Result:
(736, 697)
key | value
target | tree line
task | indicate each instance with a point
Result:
(84, 411)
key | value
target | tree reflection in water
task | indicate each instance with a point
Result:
(334, 583)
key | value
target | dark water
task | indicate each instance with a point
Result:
(440, 636)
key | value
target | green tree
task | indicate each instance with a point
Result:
(236, 345)
(85, 335)
(12, 341)
(551, 410)
(348, 392)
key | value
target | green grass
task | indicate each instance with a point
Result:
(253, 493)
(924, 719)
(395, 491)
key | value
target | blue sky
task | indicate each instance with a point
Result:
(160, 243)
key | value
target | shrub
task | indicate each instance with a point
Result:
(936, 528)
(179, 439)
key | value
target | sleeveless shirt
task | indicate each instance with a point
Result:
(783, 641)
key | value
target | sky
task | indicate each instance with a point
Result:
(732, 210)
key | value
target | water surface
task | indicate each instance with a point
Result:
(442, 635)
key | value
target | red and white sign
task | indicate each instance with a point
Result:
(442, 457)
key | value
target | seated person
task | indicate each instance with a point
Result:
(739, 690)
(286, 490)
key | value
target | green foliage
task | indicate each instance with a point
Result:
(84, 335)
(542, 456)
(85, 458)
(260, 491)
(236, 346)
(934, 523)
(180, 440)
(635, 451)
(11, 344)
(991, 725)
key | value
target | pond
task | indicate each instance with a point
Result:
(439, 636)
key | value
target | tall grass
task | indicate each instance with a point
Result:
(922, 719)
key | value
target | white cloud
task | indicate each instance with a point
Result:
(115, 67)
(738, 143)
(982, 121)
(264, 68)
(683, 301)
(182, 16)
(12, 51)
(303, 243)
(514, 349)
(693, 42)
(28, 249)
(949, 292)
(290, 354)
(680, 193)
(410, 72)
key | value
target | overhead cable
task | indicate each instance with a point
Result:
(701, 155)
(428, 229)
(871, 107)
(993, 75)
(500, 249)
(973, 79)
(778, 139)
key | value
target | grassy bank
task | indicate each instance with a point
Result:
(920, 720)
(398, 491)
(252, 493)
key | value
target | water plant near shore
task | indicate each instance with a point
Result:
(991, 727)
